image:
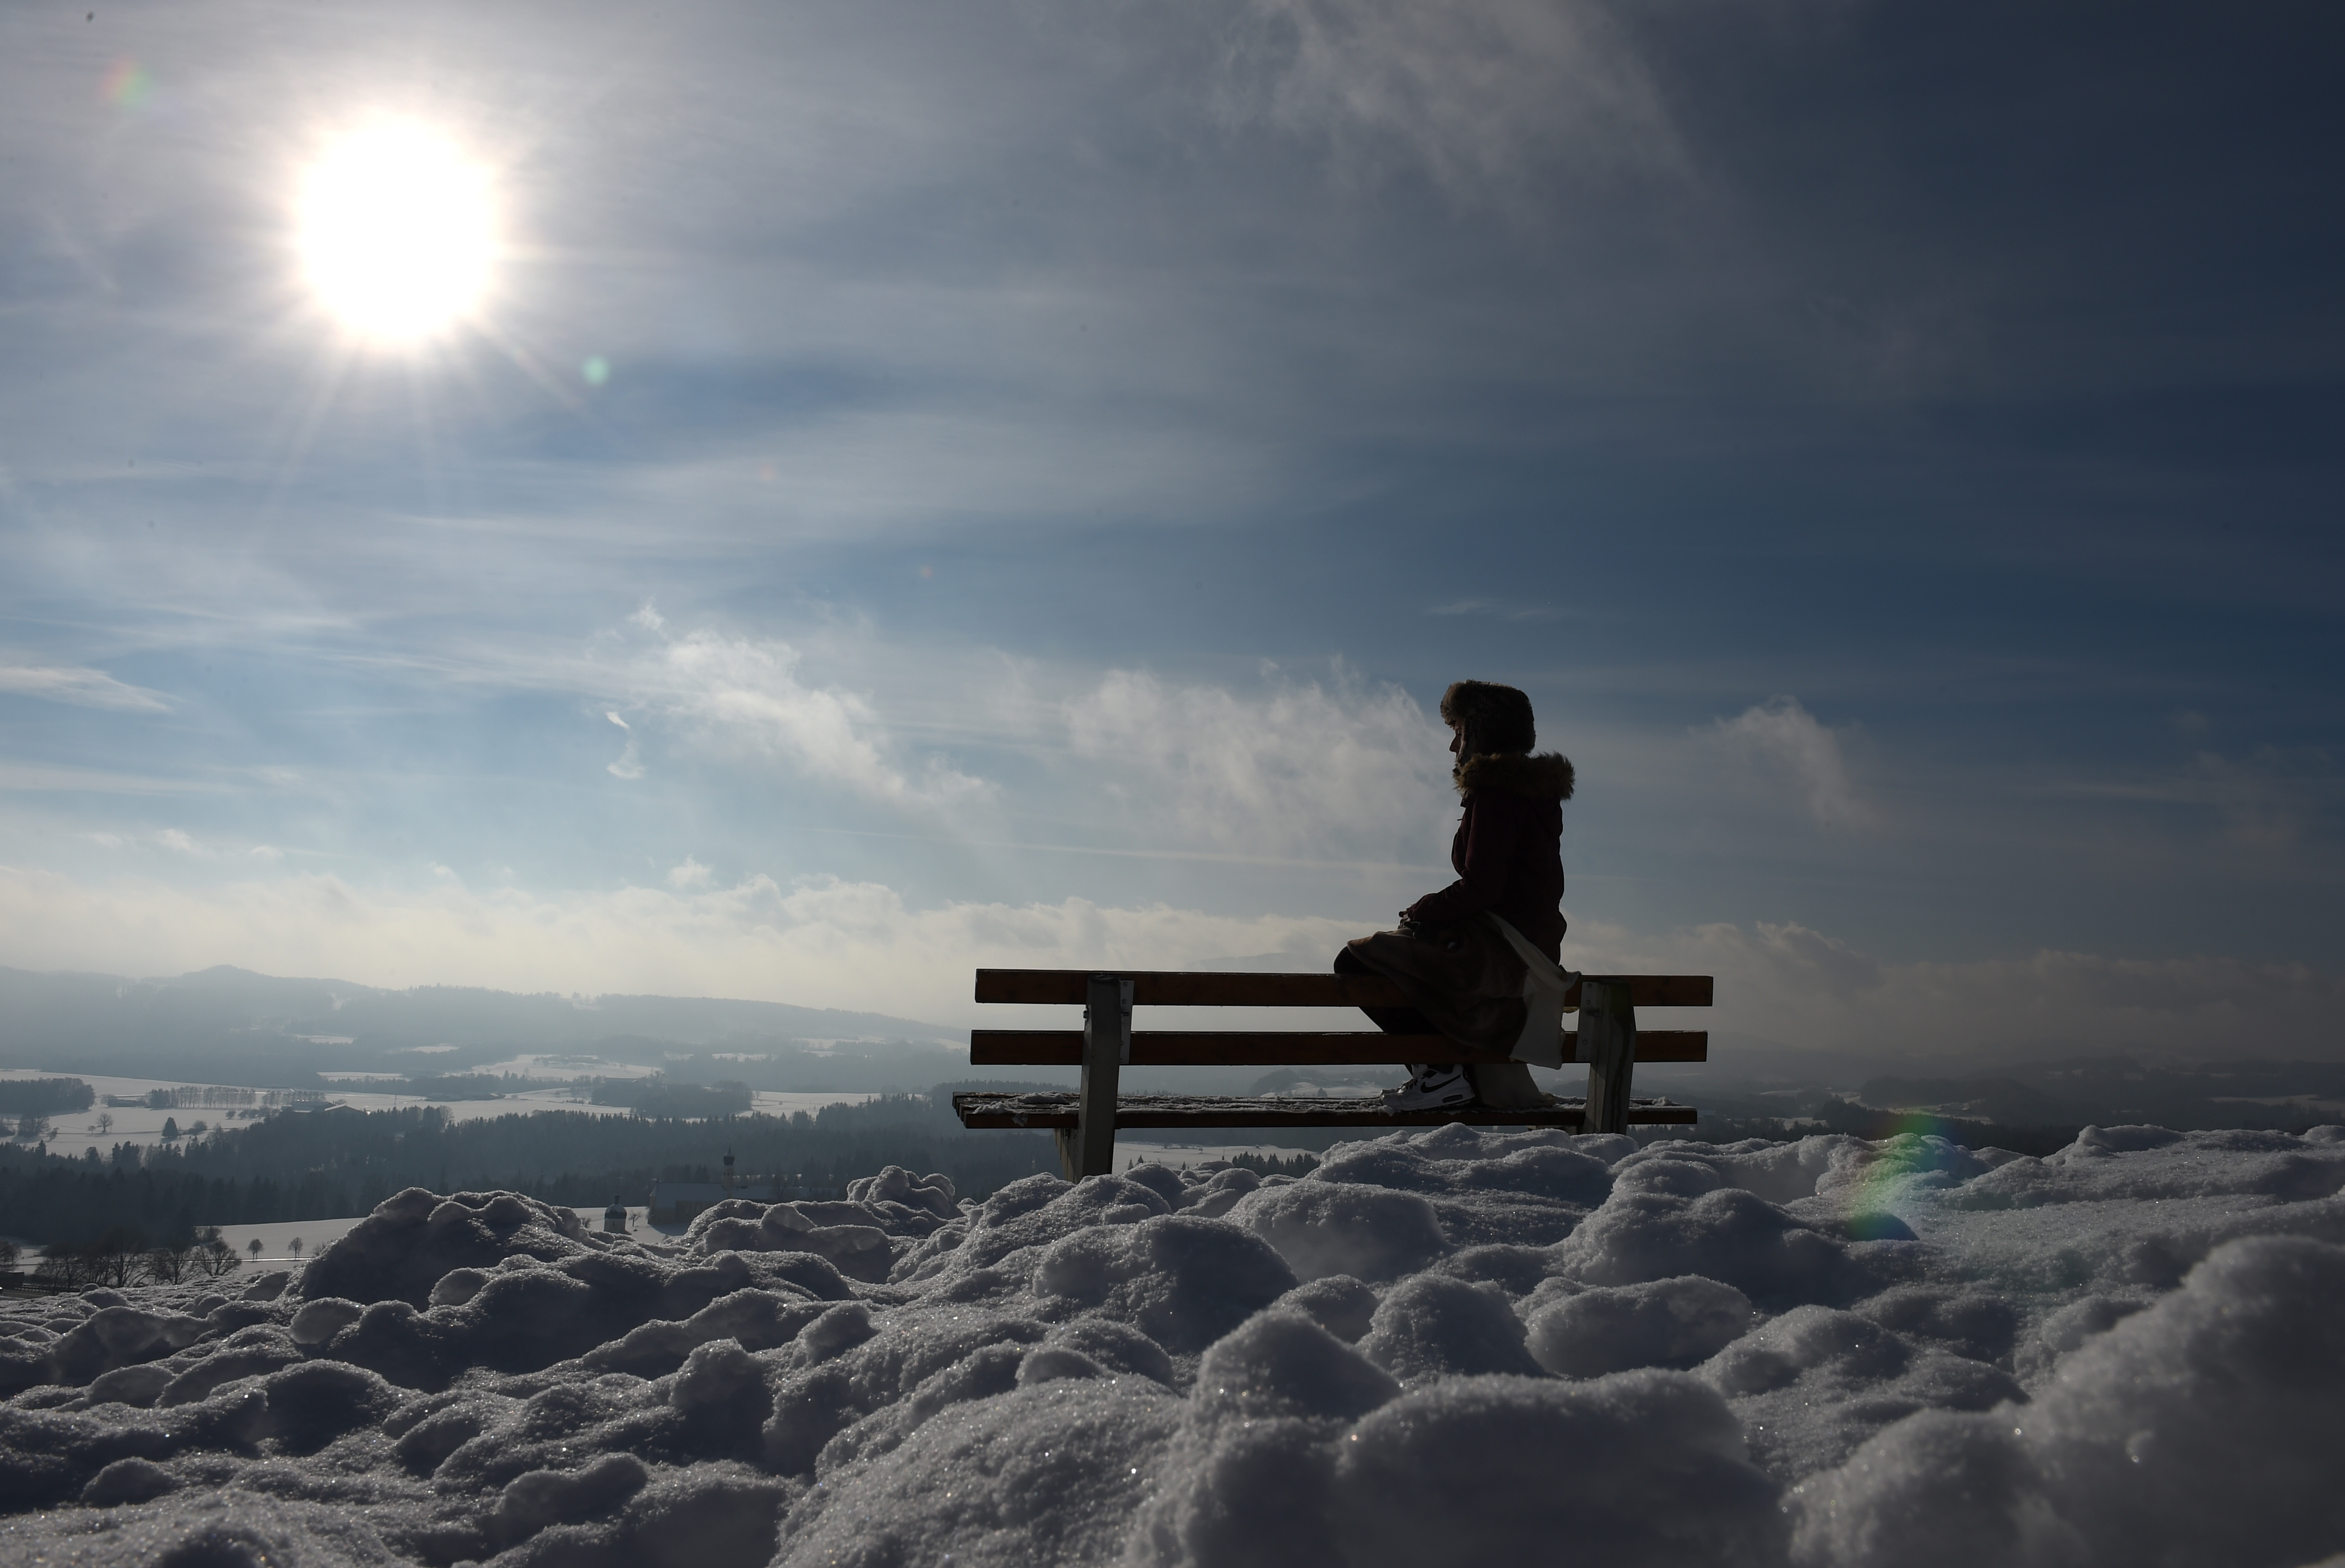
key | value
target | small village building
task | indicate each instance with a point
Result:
(614, 1218)
(677, 1202)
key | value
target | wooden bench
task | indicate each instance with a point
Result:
(1085, 1121)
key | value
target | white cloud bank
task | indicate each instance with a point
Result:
(1334, 769)
(822, 943)
(861, 945)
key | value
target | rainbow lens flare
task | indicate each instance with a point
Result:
(1917, 1147)
(127, 84)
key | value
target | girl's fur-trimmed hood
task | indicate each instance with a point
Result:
(1546, 776)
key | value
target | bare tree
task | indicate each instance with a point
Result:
(213, 1256)
(105, 1123)
(9, 1253)
(294, 1247)
(167, 1264)
(62, 1267)
(253, 1247)
(116, 1258)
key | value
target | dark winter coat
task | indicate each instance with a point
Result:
(1509, 851)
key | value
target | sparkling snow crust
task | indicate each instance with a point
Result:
(1452, 1347)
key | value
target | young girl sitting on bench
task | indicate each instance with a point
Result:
(1458, 952)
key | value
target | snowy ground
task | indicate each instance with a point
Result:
(1444, 1348)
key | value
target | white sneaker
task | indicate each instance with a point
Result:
(1432, 1088)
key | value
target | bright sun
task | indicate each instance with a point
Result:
(396, 235)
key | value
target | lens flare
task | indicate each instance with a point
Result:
(1915, 1145)
(127, 86)
(396, 233)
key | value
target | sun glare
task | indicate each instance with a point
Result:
(396, 235)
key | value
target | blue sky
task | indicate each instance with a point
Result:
(932, 485)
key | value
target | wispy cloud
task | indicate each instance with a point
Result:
(1496, 610)
(1298, 768)
(36, 777)
(630, 765)
(743, 696)
(1479, 93)
(2269, 801)
(82, 687)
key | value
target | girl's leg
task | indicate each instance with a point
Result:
(1391, 1020)
(1429, 1084)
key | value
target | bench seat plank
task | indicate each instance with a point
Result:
(1176, 1111)
(1189, 988)
(1284, 1048)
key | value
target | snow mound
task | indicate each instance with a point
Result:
(1182, 1281)
(1640, 1468)
(1727, 1233)
(1666, 1323)
(1321, 1228)
(2206, 1428)
(1448, 1347)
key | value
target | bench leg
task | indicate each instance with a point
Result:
(1107, 1043)
(1607, 1041)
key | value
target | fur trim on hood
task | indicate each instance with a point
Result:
(1547, 776)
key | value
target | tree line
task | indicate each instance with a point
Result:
(658, 1098)
(191, 1096)
(44, 1097)
(121, 1256)
(325, 1164)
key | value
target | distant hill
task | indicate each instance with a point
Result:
(1980, 1099)
(232, 1025)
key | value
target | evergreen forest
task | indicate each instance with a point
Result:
(321, 1164)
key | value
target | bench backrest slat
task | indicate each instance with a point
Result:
(1281, 1048)
(1184, 988)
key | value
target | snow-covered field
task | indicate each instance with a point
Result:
(276, 1237)
(1446, 1348)
(80, 1131)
